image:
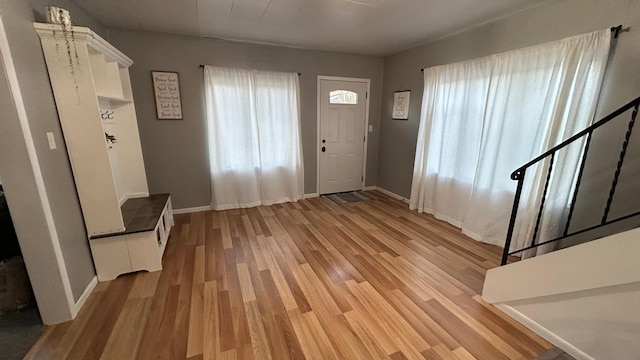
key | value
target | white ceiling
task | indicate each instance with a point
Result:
(369, 27)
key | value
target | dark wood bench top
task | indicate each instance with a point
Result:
(140, 214)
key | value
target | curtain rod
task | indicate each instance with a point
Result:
(616, 30)
(201, 65)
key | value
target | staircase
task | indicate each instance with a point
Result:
(583, 294)
(583, 299)
(571, 236)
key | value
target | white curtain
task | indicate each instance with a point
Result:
(481, 119)
(255, 149)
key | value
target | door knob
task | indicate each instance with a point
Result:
(324, 149)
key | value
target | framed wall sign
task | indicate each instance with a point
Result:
(166, 88)
(401, 105)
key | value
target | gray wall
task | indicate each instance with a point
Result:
(550, 22)
(18, 18)
(175, 152)
(27, 214)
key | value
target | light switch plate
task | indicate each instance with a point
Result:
(370, 128)
(52, 141)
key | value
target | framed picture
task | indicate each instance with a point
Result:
(166, 88)
(401, 105)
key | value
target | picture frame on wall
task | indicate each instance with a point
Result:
(401, 105)
(166, 90)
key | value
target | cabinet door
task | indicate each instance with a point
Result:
(111, 257)
(143, 251)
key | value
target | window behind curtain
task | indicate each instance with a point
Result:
(255, 151)
(483, 118)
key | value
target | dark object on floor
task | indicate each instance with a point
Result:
(15, 289)
(8, 241)
(555, 354)
(19, 331)
(347, 197)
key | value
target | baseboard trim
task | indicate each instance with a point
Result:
(83, 298)
(544, 332)
(392, 194)
(306, 196)
(191, 210)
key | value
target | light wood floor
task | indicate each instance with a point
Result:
(314, 280)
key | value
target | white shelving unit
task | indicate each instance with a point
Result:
(90, 77)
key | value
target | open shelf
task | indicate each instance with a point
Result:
(113, 100)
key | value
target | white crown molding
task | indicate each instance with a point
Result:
(79, 33)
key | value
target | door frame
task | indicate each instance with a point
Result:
(366, 125)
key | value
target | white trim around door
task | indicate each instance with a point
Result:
(366, 125)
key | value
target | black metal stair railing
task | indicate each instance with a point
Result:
(519, 175)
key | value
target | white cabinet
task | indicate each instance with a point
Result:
(148, 221)
(92, 89)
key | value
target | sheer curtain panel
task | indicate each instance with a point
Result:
(481, 119)
(255, 150)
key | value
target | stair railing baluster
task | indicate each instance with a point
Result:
(578, 182)
(516, 175)
(623, 153)
(544, 197)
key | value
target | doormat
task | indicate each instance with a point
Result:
(347, 197)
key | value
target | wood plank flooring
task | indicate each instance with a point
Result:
(305, 280)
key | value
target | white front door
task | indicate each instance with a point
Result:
(343, 105)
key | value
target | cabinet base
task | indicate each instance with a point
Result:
(139, 251)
